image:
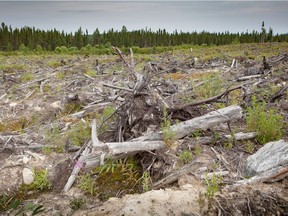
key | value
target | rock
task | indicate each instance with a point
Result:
(13, 104)
(270, 156)
(28, 176)
(26, 160)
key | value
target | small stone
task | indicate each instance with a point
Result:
(13, 104)
(28, 176)
(25, 160)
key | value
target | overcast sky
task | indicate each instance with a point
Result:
(188, 16)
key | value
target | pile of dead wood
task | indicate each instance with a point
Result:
(94, 152)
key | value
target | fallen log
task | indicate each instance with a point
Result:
(206, 121)
(212, 139)
(249, 77)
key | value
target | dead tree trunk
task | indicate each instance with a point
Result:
(209, 120)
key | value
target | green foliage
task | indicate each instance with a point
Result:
(249, 146)
(30, 208)
(196, 134)
(197, 150)
(73, 50)
(229, 143)
(41, 181)
(61, 50)
(60, 75)
(79, 134)
(267, 123)
(15, 125)
(14, 206)
(213, 85)
(39, 49)
(168, 134)
(86, 184)
(71, 107)
(111, 179)
(91, 73)
(46, 150)
(27, 77)
(105, 119)
(186, 156)
(53, 135)
(54, 64)
(143, 41)
(146, 181)
(76, 203)
(213, 185)
(8, 202)
(23, 48)
(8, 68)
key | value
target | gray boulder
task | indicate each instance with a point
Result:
(272, 155)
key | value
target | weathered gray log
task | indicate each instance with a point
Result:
(125, 147)
(94, 146)
(249, 77)
(270, 156)
(206, 121)
(78, 166)
(211, 139)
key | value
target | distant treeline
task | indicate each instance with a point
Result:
(30, 38)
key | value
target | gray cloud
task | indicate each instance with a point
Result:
(235, 16)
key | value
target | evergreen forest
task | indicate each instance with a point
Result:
(31, 39)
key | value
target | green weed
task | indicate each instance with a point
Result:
(186, 156)
(60, 75)
(79, 134)
(76, 203)
(70, 108)
(41, 181)
(105, 119)
(213, 185)
(86, 184)
(11, 205)
(267, 124)
(54, 64)
(46, 150)
(213, 85)
(168, 134)
(146, 181)
(112, 179)
(14, 125)
(91, 73)
(197, 150)
(249, 146)
(53, 136)
(27, 77)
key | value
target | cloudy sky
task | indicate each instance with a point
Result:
(188, 16)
